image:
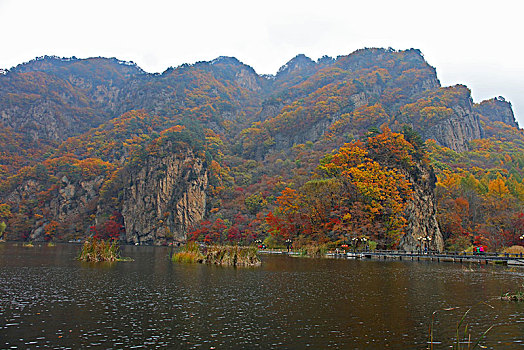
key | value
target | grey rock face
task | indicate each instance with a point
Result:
(497, 109)
(421, 214)
(457, 131)
(69, 204)
(75, 198)
(454, 128)
(247, 79)
(164, 197)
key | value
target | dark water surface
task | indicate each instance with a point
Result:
(49, 300)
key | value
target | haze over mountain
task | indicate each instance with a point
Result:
(216, 150)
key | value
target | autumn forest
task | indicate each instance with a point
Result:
(364, 146)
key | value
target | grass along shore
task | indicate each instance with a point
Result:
(218, 255)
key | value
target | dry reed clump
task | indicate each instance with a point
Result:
(189, 254)
(218, 255)
(232, 256)
(95, 250)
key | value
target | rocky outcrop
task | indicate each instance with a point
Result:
(422, 230)
(70, 202)
(218, 90)
(247, 79)
(297, 65)
(75, 198)
(497, 110)
(164, 196)
(457, 131)
(445, 115)
(159, 198)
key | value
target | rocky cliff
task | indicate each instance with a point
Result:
(157, 199)
(445, 115)
(71, 202)
(496, 109)
(308, 97)
(455, 132)
(163, 197)
(422, 229)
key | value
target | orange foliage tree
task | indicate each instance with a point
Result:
(353, 194)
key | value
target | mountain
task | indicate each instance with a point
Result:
(215, 151)
(51, 98)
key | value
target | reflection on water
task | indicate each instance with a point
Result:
(47, 299)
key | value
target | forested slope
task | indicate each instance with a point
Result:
(367, 145)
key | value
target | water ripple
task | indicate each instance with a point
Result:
(47, 299)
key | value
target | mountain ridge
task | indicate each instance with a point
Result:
(73, 127)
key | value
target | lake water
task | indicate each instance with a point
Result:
(47, 299)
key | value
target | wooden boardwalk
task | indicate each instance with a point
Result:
(457, 257)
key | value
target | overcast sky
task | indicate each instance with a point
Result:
(476, 43)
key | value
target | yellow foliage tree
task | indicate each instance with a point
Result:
(497, 188)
